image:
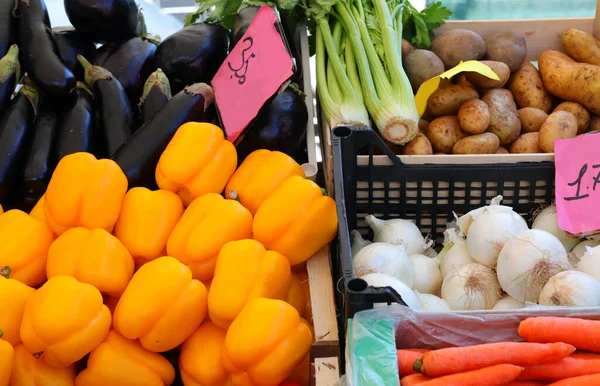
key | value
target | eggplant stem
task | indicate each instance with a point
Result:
(204, 89)
(5, 272)
(160, 80)
(10, 64)
(32, 94)
(93, 73)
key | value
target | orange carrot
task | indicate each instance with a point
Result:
(488, 376)
(584, 380)
(581, 333)
(406, 359)
(452, 360)
(526, 383)
(413, 380)
(574, 365)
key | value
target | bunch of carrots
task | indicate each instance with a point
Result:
(547, 357)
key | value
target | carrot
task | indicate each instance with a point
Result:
(584, 380)
(488, 376)
(413, 380)
(581, 333)
(574, 365)
(452, 360)
(526, 383)
(406, 359)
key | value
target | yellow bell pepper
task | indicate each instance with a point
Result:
(146, 221)
(265, 343)
(13, 297)
(296, 220)
(1, 209)
(208, 223)
(38, 211)
(31, 371)
(161, 306)
(7, 356)
(201, 362)
(296, 295)
(245, 270)
(24, 243)
(305, 285)
(91, 256)
(84, 192)
(259, 175)
(111, 302)
(197, 161)
(122, 362)
(64, 320)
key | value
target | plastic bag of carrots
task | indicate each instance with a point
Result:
(543, 346)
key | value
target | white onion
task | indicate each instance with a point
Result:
(431, 302)
(580, 249)
(590, 263)
(383, 280)
(471, 287)
(454, 254)
(464, 222)
(546, 220)
(571, 289)
(358, 242)
(427, 276)
(490, 230)
(527, 262)
(384, 258)
(508, 303)
(397, 231)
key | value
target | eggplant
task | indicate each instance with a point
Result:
(71, 43)
(192, 55)
(40, 159)
(104, 20)
(131, 62)
(280, 125)
(77, 126)
(241, 23)
(16, 127)
(139, 156)
(157, 93)
(8, 26)
(10, 74)
(116, 119)
(40, 56)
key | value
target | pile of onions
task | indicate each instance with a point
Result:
(590, 263)
(384, 258)
(454, 254)
(580, 249)
(546, 220)
(571, 289)
(432, 303)
(528, 261)
(397, 231)
(471, 287)
(383, 280)
(508, 303)
(357, 242)
(427, 276)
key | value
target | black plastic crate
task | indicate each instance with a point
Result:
(367, 183)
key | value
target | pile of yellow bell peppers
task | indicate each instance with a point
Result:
(105, 279)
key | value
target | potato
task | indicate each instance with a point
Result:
(581, 46)
(504, 119)
(423, 125)
(508, 47)
(559, 125)
(502, 150)
(594, 123)
(419, 145)
(527, 87)
(461, 80)
(481, 81)
(580, 112)
(458, 45)
(422, 65)
(444, 132)
(571, 81)
(440, 153)
(485, 143)
(531, 119)
(407, 48)
(474, 116)
(526, 143)
(447, 101)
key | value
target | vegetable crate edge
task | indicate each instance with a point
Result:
(429, 194)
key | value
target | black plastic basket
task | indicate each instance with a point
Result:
(428, 194)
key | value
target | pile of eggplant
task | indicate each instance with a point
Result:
(109, 88)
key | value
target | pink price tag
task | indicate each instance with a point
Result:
(254, 70)
(577, 183)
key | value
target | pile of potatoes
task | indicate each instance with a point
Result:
(522, 112)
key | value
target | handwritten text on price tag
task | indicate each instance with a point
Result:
(577, 183)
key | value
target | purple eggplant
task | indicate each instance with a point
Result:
(71, 43)
(241, 23)
(104, 20)
(10, 74)
(193, 54)
(40, 56)
(131, 62)
(157, 93)
(8, 26)
(116, 118)
(139, 156)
